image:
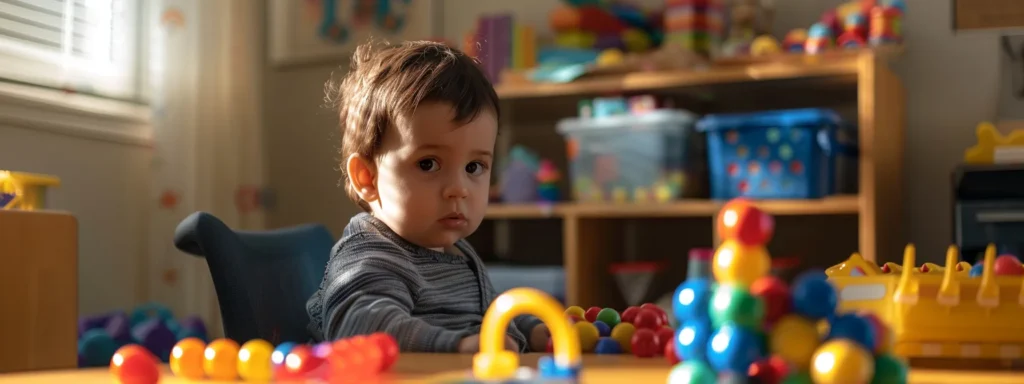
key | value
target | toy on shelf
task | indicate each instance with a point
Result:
(747, 19)
(886, 25)
(795, 41)
(25, 191)
(548, 177)
(642, 331)
(949, 311)
(519, 177)
(695, 25)
(743, 324)
(500, 43)
(150, 325)
(603, 26)
(993, 147)
(819, 39)
(354, 359)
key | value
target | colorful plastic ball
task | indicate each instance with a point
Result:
(1007, 265)
(576, 311)
(735, 304)
(609, 316)
(603, 329)
(220, 360)
(670, 352)
(853, 327)
(644, 343)
(661, 312)
(777, 299)
(591, 314)
(623, 333)
(691, 340)
(842, 361)
(607, 346)
(794, 339)
(588, 334)
(770, 370)
(254, 360)
(187, 358)
(134, 364)
(301, 360)
(883, 335)
(814, 297)
(692, 372)
(741, 221)
(797, 378)
(691, 300)
(666, 335)
(371, 353)
(889, 369)
(739, 264)
(648, 319)
(733, 349)
(282, 350)
(629, 314)
(977, 270)
(388, 348)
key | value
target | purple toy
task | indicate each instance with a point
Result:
(156, 337)
(193, 327)
(119, 329)
(87, 323)
(519, 184)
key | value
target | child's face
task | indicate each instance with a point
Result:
(433, 177)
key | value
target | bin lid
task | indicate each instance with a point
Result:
(657, 117)
(767, 119)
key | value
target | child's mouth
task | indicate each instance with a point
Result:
(454, 221)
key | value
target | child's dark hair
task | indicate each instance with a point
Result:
(385, 84)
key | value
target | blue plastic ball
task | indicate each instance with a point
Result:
(280, 352)
(607, 346)
(977, 269)
(548, 368)
(95, 348)
(603, 329)
(855, 328)
(732, 349)
(814, 297)
(691, 299)
(692, 340)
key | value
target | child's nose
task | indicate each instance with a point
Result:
(456, 191)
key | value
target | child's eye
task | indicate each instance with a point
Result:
(428, 165)
(475, 168)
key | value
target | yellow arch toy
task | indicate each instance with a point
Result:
(493, 362)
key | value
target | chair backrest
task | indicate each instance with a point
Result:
(262, 278)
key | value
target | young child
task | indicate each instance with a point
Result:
(419, 122)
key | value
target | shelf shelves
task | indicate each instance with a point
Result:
(836, 205)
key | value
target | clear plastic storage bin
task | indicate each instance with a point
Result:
(632, 158)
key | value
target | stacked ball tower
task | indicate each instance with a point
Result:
(743, 325)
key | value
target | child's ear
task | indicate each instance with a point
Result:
(362, 176)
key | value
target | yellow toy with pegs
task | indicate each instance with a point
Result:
(950, 311)
(989, 142)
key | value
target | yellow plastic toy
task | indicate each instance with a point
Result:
(989, 139)
(940, 313)
(26, 191)
(495, 363)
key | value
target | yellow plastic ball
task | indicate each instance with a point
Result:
(794, 339)
(610, 57)
(187, 358)
(842, 361)
(254, 360)
(588, 335)
(765, 45)
(575, 311)
(738, 264)
(220, 360)
(623, 333)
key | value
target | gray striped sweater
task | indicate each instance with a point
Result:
(428, 300)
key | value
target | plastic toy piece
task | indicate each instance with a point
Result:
(989, 140)
(187, 359)
(856, 265)
(949, 291)
(221, 360)
(907, 289)
(254, 361)
(495, 363)
(988, 292)
(26, 191)
(133, 364)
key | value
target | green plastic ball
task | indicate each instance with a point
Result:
(609, 316)
(732, 303)
(798, 378)
(692, 372)
(889, 369)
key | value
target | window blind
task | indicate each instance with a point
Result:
(85, 45)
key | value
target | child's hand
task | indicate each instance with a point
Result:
(471, 344)
(539, 337)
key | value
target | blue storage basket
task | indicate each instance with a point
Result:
(787, 154)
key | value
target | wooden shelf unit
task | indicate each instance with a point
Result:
(590, 236)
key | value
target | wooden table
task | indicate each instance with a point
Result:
(439, 368)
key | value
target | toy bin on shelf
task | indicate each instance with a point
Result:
(786, 154)
(631, 158)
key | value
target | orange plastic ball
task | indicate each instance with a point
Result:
(133, 364)
(738, 264)
(221, 360)
(740, 220)
(187, 358)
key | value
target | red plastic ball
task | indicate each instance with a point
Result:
(371, 350)
(388, 348)
(648, 319)
(347, 365)
(551, 346)
(776, 297)
(769, 371)
(134, 364)
(656, 308)
(644, 343)
(740, 220)
(665, 335)
(670, 353)
(629, 314)
(591, 314)
(1008, 265)
(301, 360)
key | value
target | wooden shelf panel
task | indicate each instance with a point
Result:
(836, 205)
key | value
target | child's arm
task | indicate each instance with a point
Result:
(365, 294)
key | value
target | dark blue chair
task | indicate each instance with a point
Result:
(262, 278)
